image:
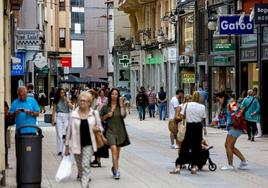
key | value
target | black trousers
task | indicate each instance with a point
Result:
(191, 146)
(251, 128)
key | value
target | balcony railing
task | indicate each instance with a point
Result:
(15, 4)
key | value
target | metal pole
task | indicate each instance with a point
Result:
(177, 35)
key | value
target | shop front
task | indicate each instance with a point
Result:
(154, 70)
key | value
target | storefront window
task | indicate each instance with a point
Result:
(189, 33)
(249, 40)
(265, 34)
(223, 79)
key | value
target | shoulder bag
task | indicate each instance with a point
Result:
(98, 136)
(182, 127)
(239, 121)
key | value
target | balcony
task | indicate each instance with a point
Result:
(132, 4)
(15, 4)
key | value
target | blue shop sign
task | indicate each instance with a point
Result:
(229, 25)
(17, 67)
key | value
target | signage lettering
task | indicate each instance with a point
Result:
(261, 13)
(229, 25)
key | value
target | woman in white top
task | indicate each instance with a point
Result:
(191, 146)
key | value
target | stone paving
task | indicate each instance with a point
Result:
(148, 160)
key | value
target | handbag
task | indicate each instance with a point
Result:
(172, 126)
(182, 127)
(98, 136)
(238, 118)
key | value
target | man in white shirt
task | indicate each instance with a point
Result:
(173, 106)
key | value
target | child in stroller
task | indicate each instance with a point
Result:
(203, 159)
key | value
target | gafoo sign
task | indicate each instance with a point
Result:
(230, 25)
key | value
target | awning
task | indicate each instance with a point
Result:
(93, 80)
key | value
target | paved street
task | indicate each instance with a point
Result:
(148, 160)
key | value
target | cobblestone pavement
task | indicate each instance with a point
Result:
(148, 160)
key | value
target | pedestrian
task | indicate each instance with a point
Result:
(251, 108)
(61, 109)
(104, 151)
(31, 93)
(51, 97)
(114, 113)
(42, 101)
(95, 95)
(80, 139)
(9, 120)
(162, 103)
(229, 106)
(128, 98)
(241, 98)
(204, 95)
(141, 103)
(255, 94)
(101, 100)
(152, 100)
(25, 110)
(191, 146)
(173, 105)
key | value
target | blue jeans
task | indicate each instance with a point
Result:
(141, 109)
(162, 107)
(151, 110)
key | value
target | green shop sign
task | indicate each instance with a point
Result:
(220, 60)
(44, 70)
(156, 59)
(224, 47)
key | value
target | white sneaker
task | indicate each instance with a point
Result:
(228, 167)
(243, 164)
(174, 146)
(258, 136)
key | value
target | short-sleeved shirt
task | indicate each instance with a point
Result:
(195, 112)
(174, 103)
(22, 118)
(152, 97)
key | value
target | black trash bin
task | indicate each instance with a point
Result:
(29, 158)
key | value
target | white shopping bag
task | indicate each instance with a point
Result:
(65, 169)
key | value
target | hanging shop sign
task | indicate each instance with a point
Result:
(66, 62)
(188, 78)
(154, 58)
(124, 61)
(220, 60)
(261, 13)
(230, 25)
(223, 47)
(17, 67)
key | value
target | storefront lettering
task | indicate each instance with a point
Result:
(225, 25)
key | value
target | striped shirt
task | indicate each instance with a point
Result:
(151, 95)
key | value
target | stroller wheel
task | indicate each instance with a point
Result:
(190, 166)
(212, 167)
(200, 167)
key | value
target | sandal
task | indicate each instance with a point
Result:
(194, 170)
(175, 171)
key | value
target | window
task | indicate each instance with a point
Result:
(62, 38)
(51, 33)
(100, 61)
(89, 62)
(62, 5)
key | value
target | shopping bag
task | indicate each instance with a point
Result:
(65, 169)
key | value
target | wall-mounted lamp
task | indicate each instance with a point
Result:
(257, 67)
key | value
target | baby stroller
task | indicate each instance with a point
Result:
(203, 160)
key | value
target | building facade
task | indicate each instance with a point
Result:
(153, 35)
(8, 10)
